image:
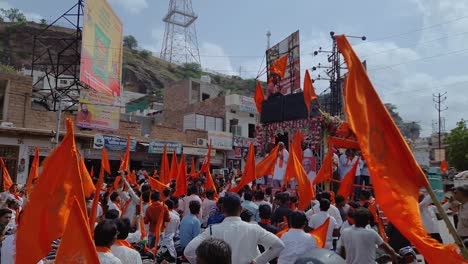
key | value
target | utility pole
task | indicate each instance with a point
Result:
(268, 34)
(438, 100)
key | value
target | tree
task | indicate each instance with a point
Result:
(191, 70)
(457, 146)
(13, 15)
(43, 22)
(145, 54)
(130, 42)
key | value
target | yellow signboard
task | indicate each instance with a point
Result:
(98, 111)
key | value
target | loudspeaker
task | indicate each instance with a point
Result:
(294, 107)
(272, 110)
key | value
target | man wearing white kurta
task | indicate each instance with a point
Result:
(280, 167)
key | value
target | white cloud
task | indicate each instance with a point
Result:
(134, 6)
(157, 35)
(216, 59)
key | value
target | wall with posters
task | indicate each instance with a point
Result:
(98, 111)
(292, 77)
(101, 52)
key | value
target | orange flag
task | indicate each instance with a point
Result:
(342, 143)
(443, 166)
(206, 163)
(174, 167)
(105, 161)
(34, 172)
(76, 245)
(326, 171)
(346, 187)
(88, 185)
(344, 130)
(267, 165)
(132, 177)
(396, 176)
(7, 182)
(155, 184)
(280, 65)
(144, 234)
(125, 165)
(285, 228)
(296, 146)
(181, 182)
(309, 91)
(164, 175)
(51, 199)
(97, 193)
(249, 170)
(209, 184)
(320, 233)
(192, 169)
(259, 97)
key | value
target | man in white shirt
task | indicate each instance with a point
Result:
(184, 203)
(461, 195)
(319, 218)
(114, 203)
(333, 210)
(242, 237)
(260, 199)
(347, 161)
(280, 167)
(121, 248)
(105, 235)
(428, 217)
(172, 226)
(247, 204)
(358, 244)
(208, 205)
(296, 241)
(130, 200)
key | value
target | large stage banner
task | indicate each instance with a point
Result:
(292, 77)
(98, 111)
(101, 51)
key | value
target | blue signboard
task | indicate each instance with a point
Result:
(114, 143)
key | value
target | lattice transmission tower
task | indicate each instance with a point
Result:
(180, 44)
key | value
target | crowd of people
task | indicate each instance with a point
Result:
(258, 224)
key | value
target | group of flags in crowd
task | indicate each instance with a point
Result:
(56, 204)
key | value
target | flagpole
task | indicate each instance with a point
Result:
(450, 227)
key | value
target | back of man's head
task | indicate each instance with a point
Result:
(324, 205)
(146, 196)
(259, 195)
(112, 214)
(248, 195)
(325, 195)
(155, 196)
(214, 251)
(193, 190)
(210, 194)
(361, 217)
(264, 211)
(268, 190)
(339, 199)
(145, 188)
(194, 207)
(231, 204)
(104, 234)
(169, 203)
(167, 192)
(123, 227)
(113, 196)
(298, 219)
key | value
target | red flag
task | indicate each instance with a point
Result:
(7, 182)
(443, 166)
(267, 165)
(51, 199)
(280, 65)
(320, 233)
(97, 194)
(34, 172)
(76, 245)
(165, 171)
(125, 165)
(181, 182)
(346, 187)
(174, 167)
(259, 97)
(326, 171)
(249, 170)
(396, 176)
(309, 91)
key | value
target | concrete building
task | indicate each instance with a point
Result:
(421, 151)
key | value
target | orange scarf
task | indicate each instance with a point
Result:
(123, 243)
(103, 249)
(265, 221)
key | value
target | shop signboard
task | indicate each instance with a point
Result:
(158, 147)
(113, 143)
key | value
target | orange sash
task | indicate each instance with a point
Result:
(123, 243)
(103, 249)
(127, 203)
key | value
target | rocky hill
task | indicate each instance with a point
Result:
(142, 72)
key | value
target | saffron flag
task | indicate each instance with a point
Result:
(207, 162)
(34, 172)
(125, 165)
(443, 166)
(320, 233)
(342, 143)
(76, 245)
(105, 161)
(7, 182)
(165, 171)
(193, 173)
(174, 167)
(309, 91)
(209, 184)
(132, 177)
(280, 65)
(97, 194)
(285, 227)
(51, 199)
(396, 176)
(326, 171)
(155, 184)
(181, 182)
(296, 146)
(88, 185)
(346, 187)
(144, 234)
(344, 130)
(267, 165)
(249, 170)
(259, 97)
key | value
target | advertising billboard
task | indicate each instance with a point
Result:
(98, 111)
(292, 77)
(220, 140)
(101, 48)
(158, 147)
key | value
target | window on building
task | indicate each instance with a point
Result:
(64, 82)
(251, 130)
(205, 96)
(251, 115)
(3, 88)
(219, 124)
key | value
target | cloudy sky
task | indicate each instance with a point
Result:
(414, 48)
